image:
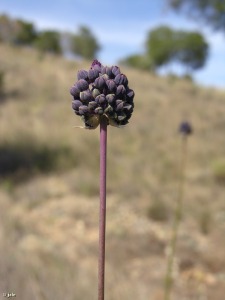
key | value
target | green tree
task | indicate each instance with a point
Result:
(48, 41)
(212, 12)
(192, 50)
(138, 61)
(26, 33)
(16, 31)
(85, 44)
(165, 45)
(160, 45)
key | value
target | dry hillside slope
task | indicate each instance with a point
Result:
(49, 187)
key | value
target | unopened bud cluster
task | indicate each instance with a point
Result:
(185, 128)
(102, 91)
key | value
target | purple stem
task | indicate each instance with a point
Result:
(102, 210)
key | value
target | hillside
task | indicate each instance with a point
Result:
(49, 174)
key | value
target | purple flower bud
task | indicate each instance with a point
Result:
(121, 79)
(97, 68)
(115, 70)
(127, 107)
(83, 109)
(92, 74)
(99, 83)
(76, 104)
(103, 70)
(100, 99)
(119, 107)
(74, 91)
(108, 109)
(96, 62)
(130, 94)
(96, 65)
(86, 96)
(108, 71)
(105, 76)
(111, 85)
(82, 74)
(185, 128)
(92, 105)
(95, 93)
(120, 90)
(119, 101)
(99, 110)
(110, 98)
(82, 85)
(117, 79)
(124, 80)
(121, 117)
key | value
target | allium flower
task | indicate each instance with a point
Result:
(185, 128)
(102, 96)
(102, 91)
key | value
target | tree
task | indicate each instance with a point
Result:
(26, 33)
(212, 12)
(165, 45)
(160, 45)
(16, 31)
(138, 61)
(85, 44)
(48, 41)
(192, 50)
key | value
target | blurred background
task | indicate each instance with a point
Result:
(172, 52)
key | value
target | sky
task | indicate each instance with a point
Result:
(121, 27)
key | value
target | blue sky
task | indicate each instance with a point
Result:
(120, 26)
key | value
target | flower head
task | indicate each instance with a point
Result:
(185, 128)
(102, 91)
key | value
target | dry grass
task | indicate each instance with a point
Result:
(49, 221)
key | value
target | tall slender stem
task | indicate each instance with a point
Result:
(102, 209)
(177, 220)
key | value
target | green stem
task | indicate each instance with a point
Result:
(177, 221)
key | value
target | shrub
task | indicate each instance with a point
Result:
(20, 160)
(48, 41)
